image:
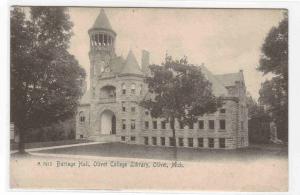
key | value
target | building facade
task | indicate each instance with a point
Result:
(109, 110)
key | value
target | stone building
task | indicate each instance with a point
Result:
(109, 111)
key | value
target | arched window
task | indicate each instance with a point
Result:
(123, 89)
(81, 117)
(132, 88)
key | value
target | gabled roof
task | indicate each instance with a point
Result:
(229, 79)
(102, 22)
(217, 87)
(131, 65)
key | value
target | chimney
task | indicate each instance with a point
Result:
(145, 61)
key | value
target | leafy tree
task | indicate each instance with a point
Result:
(179, 91)
(254, 109)
(273, 95)
(274, 92)
(45, 77)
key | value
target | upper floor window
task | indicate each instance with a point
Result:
(81, 117)
(154, 124)
(141, 89)
(181, 126)
(94, 93)
(133, 109)
(123, 89)
(163, 124)
(211, 124)
(123, 124)
(201, 124)
(222, 110)
(123, 107)
(107, 92)
(146, 125)
(133, 88)
(191, 125)
(222, 124)
(132, 125)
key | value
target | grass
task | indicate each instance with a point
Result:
(166, 153)
(14, 146)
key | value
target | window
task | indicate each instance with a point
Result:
(222, 124)
(181, 126)
(154, 124)
(123, 89)
(81, 117)
(222, 142)
(133, 88)
(146, 124)
(211, 143)
(190, 142)
(141, 91)
(123, 124)
(163, 141)
(222, 110)
(133, 109)
(201, 124)
(242, 125)
(172, 141)
(191, 125)
(81, 136)
(211, 124)
(132, 124)
(146, 140)
(180, 141)
(122, 138)
(123, 107)
(154, 141)
(163, 124)
(242, 141)
(200, 142)
(94, 93)
(132, 138)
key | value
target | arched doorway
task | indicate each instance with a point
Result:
(107, 122)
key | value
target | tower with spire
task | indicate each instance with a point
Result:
(116, 87)
(102, 47)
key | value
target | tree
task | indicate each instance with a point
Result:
(45, 77)
(274, 59)
(273, 95)
(179, 91)
(258, 123)
(254, 109)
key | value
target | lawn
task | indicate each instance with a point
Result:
(14, 146)
(166, 153)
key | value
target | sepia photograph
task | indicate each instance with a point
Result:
(149, 99)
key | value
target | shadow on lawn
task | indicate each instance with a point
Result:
(167, 153)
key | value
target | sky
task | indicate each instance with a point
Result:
(225, 40)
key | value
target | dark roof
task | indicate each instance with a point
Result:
(229, 79)
(102, 22)
(217, 87)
